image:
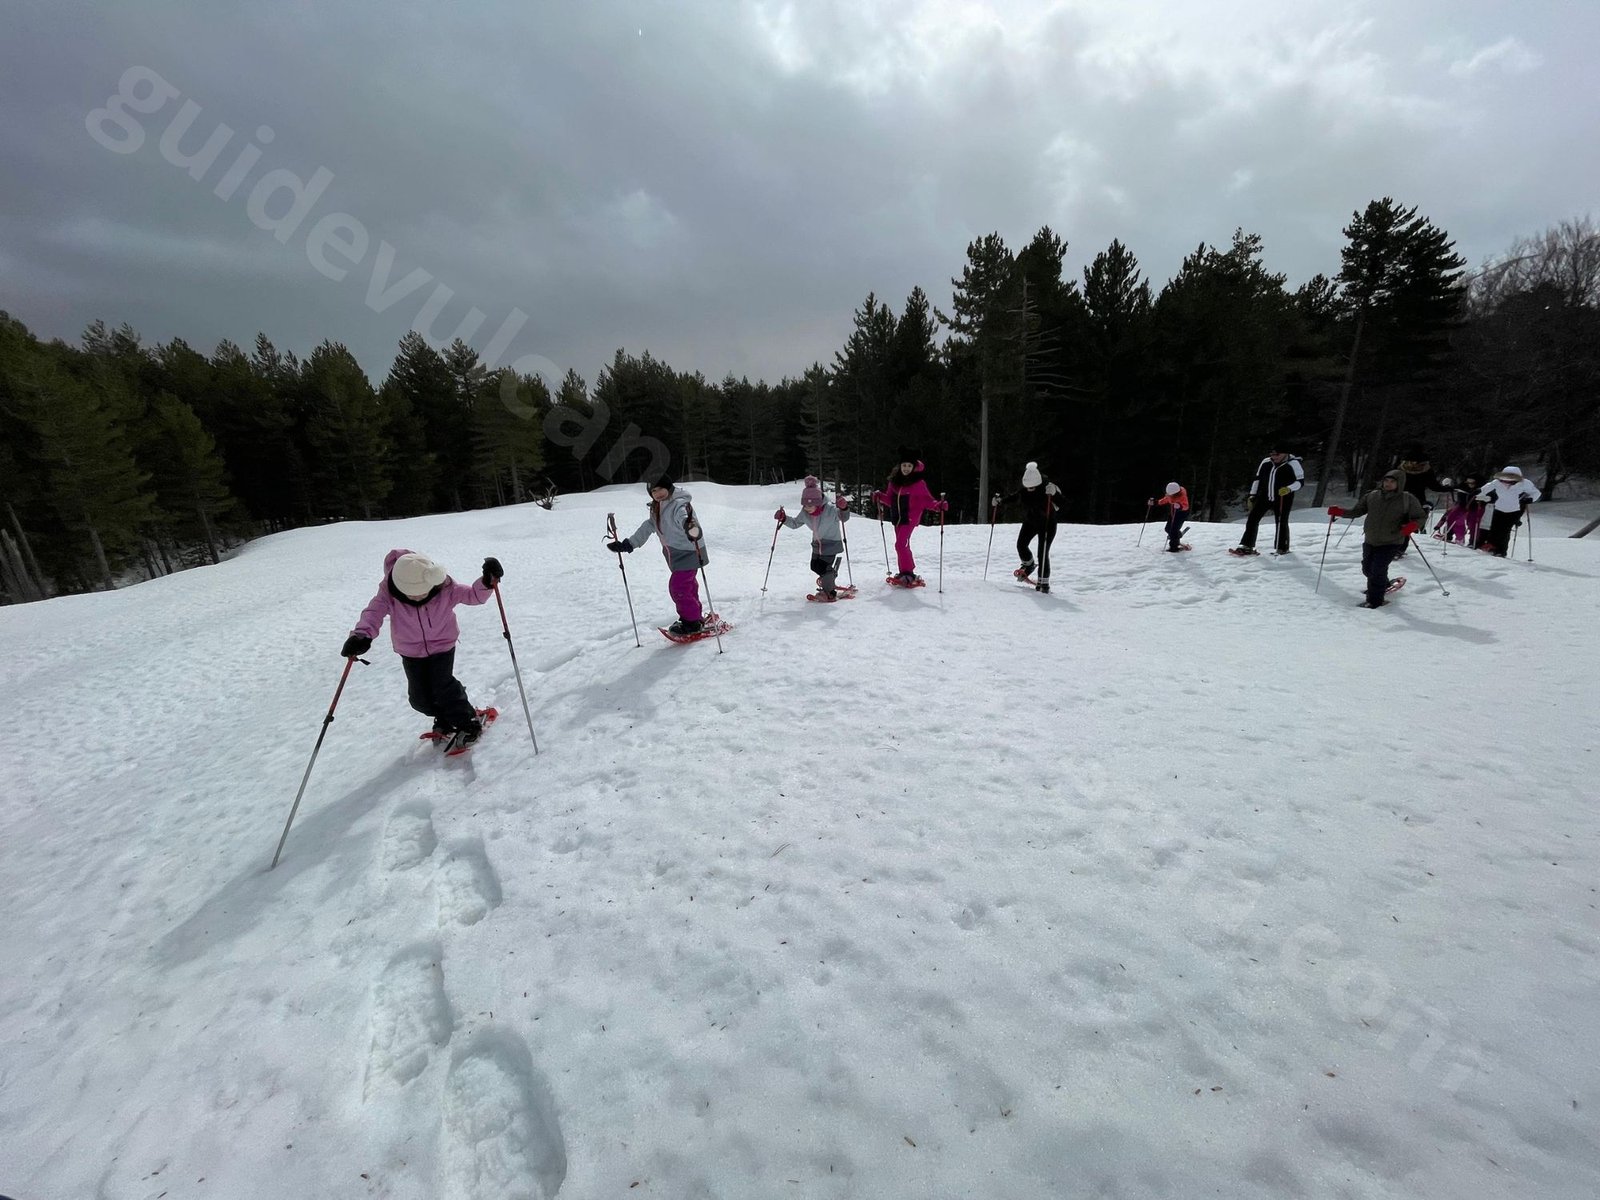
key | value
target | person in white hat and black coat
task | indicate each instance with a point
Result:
(1041, 514)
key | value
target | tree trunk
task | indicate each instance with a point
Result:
(211, 537)
(1330, 454)
(100, 558)
(27, 548)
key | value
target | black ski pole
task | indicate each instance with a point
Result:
(505, 629)
(611, 528)
(1324, 558)
(315, 750)
(1344, 531)
(884, 538)
(850, 575)
(994, 510)
(1148, 505)
(942, 501)
(771, 552)
(1427, 564)
(1528, 514)
(1044, 541)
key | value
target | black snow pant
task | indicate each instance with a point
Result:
(1375, 562)
(1260, 508)
(1500, 527)
(1175, 520)
(826, 569)
(1033, 528)
(434, 690)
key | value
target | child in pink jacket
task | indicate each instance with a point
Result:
(906, 496)
(420, 599)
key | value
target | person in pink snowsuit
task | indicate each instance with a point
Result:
(906, 497)
(419, 599)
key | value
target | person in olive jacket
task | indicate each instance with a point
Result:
(1392, 516)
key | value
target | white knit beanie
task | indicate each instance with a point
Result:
(1031, 476)
(416, 574)
(1173, 489)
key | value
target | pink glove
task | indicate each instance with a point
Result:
(843, 503)
(880, 497)
(780, 515)
(941, 505)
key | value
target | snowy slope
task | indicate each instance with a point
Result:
(1183, 880)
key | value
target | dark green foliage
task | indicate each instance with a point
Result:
(118, 460)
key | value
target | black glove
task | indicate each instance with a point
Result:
(356, 645)
(493, 572)
(621, 547)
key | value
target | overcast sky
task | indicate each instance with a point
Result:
(723, 183)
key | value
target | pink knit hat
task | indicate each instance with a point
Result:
(811, 493)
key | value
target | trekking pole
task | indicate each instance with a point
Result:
(994, 511)
(943, 501)
(1512, 551)
(1324, 558)
(1342, 532)
(1044, 540)
(1148, 505)
(711, 607)
(884, 538)
(700, 553)
(505, 629)
(1427, 564)
(849, 574)
(770, 553)
(611, 528)
(304, 779)
(1528, 513)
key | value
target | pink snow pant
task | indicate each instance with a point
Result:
(902, 548)
(685, 594)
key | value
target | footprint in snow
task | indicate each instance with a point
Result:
(408, 837)
(410, 1016)
(502, 1140)
(467, 886)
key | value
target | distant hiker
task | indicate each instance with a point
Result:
(1277, 479)
(419, 599)
(1041, 514)
(1419, 476)
(1510, 492)
(1177, 502)
(906, 497)
(1393, 515)
(682, 545)
(827, 537)
(1460, 520)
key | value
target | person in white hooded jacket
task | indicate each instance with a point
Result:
(1510, 492)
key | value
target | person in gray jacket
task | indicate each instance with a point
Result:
(827, 537)
(682, 545)
(1393, 515)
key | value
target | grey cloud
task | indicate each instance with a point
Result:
(722, 184)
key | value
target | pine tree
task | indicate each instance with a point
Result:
(347, 432)
(191, 482)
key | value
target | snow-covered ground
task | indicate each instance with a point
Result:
(1181, 881)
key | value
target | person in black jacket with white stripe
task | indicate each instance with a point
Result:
(1278, 478)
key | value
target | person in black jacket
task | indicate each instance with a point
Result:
(1278, 478)
(1041, 513)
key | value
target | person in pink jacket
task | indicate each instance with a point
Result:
(419, 599)
(906, 497)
